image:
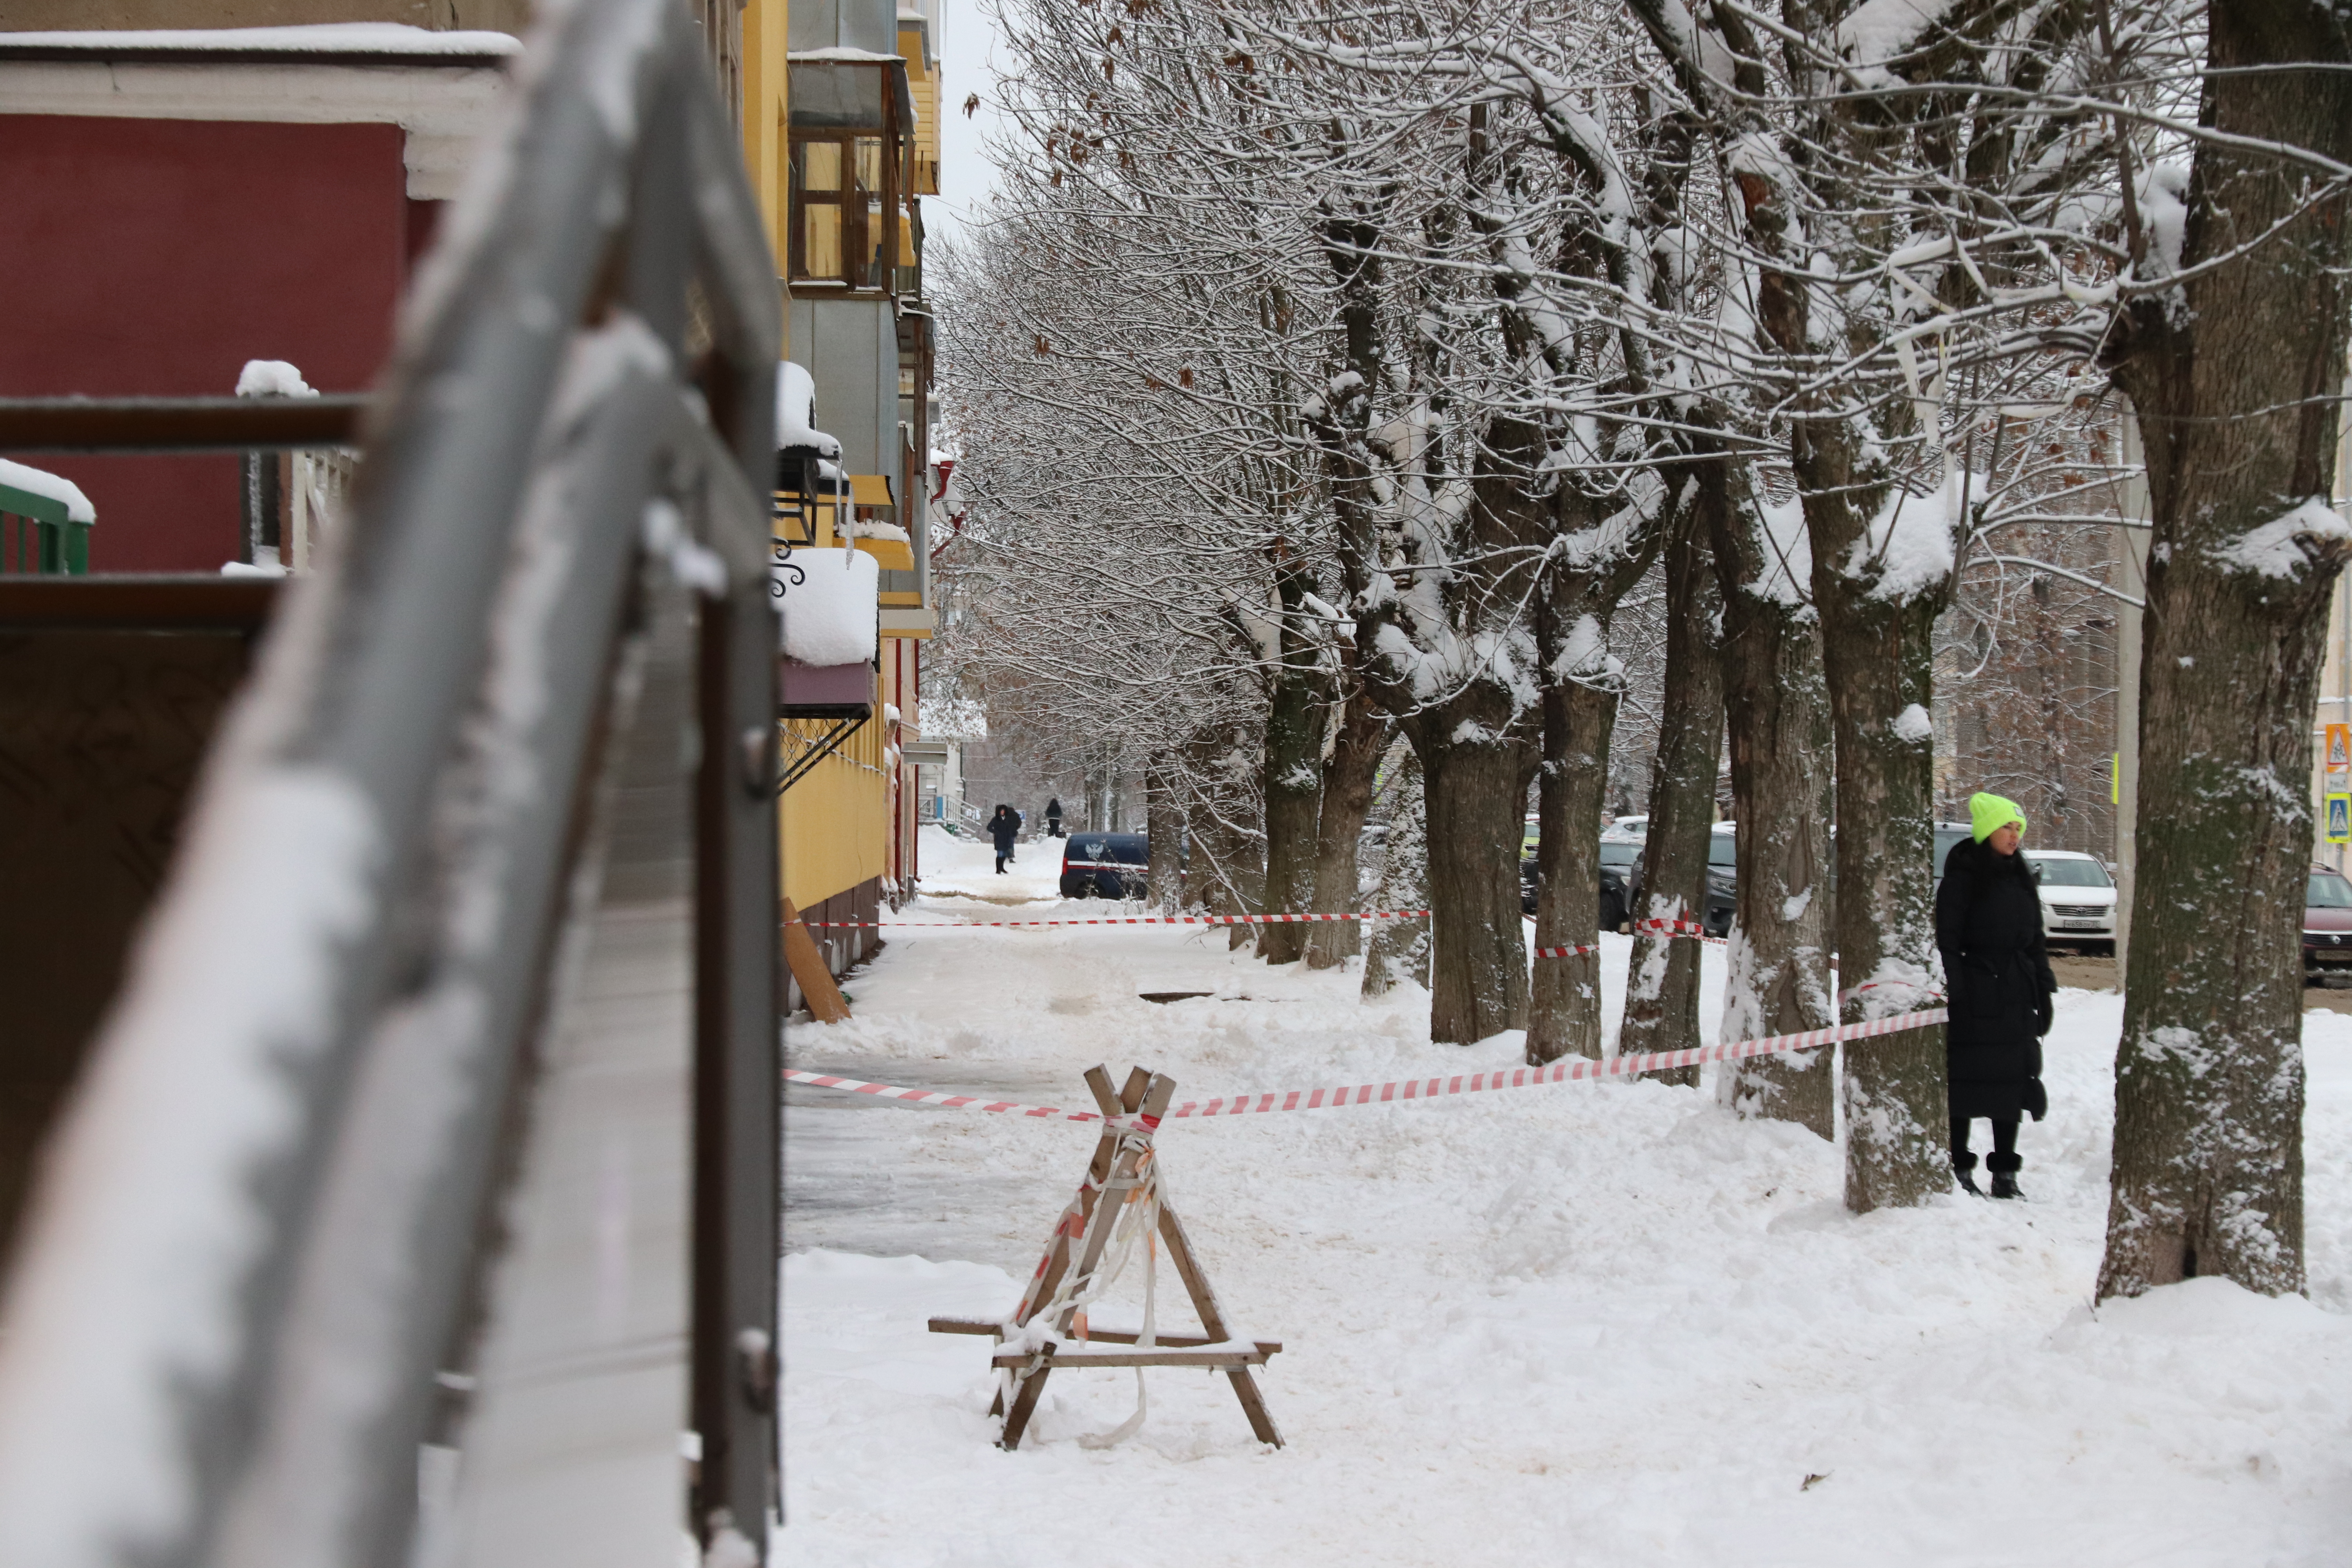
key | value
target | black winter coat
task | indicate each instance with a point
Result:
(1005, 826)
(1996, 966)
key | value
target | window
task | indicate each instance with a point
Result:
(844, 176)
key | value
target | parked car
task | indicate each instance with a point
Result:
(1722, 878)
(1621, 880)
(2078, 899)
(1106, 865)
(2327, 925)
(1636, 828)
(1947, 834)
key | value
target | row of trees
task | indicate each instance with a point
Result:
(1327, 375)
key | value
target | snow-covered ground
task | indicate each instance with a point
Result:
(1579, 1325)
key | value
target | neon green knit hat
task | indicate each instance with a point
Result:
(1988, 813)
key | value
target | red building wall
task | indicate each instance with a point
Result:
(153, 258)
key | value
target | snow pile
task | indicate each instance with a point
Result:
(796, 413)
(321, 38)
(1606, 1324)
(1914, 724)
(1906, 549)
(272, 378)
(48, 487)
(2275, 549)
(2162, 191)
(868, 528)
(833, 615)
(1878, 31)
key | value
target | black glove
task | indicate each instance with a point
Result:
(2042, 1014)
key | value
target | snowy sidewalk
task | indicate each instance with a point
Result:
(1577, 1324)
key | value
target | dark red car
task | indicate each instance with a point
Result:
(2327, 925)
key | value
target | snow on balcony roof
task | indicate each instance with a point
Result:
(796, 413)
(843, 55)
(326, 43)
(832, 615)
(47, 487)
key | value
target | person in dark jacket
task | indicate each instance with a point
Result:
(1054, 818)
(1997, 969)
(1003, 827)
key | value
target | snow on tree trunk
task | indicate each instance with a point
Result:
(1398, 949)
(1662, 979)
(1877, 581)
(1363, 735)
(1777, 705)
(1294, 773)
(2234, 377)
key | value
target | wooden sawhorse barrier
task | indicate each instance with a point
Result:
(1117, 1170)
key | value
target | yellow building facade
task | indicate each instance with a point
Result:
(840, 137)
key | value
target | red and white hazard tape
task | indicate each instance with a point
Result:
(1125, 921)
(1670, 928)
(1570, 1070)
(935, 1097)
(1577, 952)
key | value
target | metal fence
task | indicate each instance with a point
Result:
(271, 1236)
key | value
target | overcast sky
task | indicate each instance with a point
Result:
(966, 38)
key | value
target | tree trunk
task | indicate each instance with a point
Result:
(1398, 949)
(2234, 387)
(1662, 982)
(1877, 653)
(1294, 775)
(1564, 1002)
(1163, 811)
(1473, 783)
(1777, 707)
(1363, 736)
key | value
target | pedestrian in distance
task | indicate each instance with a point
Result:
(1003, 827)
(1996, 971)
(1054, 818)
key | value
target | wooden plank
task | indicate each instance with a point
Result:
(993, 1327)
(1043, 1285)
(1212, 1320)
(1076, 1358)
(824, 1000)
(1157, 1092)
(1048, 1277)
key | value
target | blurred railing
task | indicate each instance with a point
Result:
(279, 1219)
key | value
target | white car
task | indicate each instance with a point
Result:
(1636, 828)
(2078, 899)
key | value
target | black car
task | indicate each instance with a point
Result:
(1106, 865)
(1621, 869)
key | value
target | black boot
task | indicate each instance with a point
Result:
(2004, 1169)
(1964, 1171)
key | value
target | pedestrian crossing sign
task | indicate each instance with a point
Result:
(2339, 819)
(2339, 757)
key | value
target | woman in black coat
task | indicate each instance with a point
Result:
(1005, 826)
(1996, 966)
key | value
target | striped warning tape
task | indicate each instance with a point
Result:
(1569, 1070)
(1126, 921)
(1670, 928)
(938, 1098)
(1576, 952)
